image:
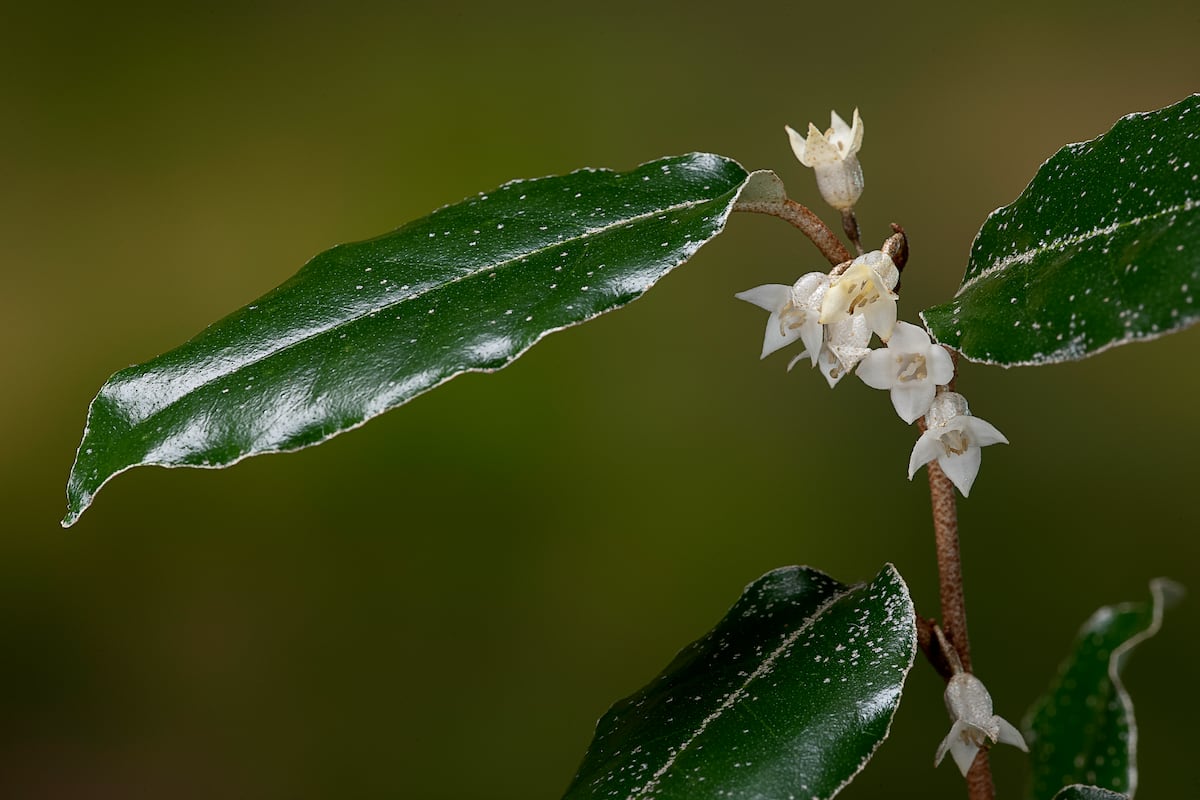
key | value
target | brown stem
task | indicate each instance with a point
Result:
(979, 778)
(809, 224)
(945, 531)
(954, 610)
(850, 227)
(930, 642)
(950, 586)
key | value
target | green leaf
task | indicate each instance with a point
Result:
(1102, 248)
(790, 694)
(1082, 729)
(1080, 792)
(365, 327)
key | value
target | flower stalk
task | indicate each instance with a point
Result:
(806, 221)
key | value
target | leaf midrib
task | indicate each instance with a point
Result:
(763, 668)
(358, 317)
(1063, 242)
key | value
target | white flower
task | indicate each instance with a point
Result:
(953, 437)
(911, 367)
(865, 287)
(833, 155)
(970, 708)
(842, 347)
(794, 311)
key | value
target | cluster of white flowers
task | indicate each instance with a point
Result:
(835, 314)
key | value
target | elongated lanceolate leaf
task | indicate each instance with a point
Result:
(1080, 792)
(1102, 248)
(789, 695)
(365, 327)
(1082, 730)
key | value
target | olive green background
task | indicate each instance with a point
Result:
(440, 604)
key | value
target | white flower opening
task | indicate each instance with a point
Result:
(911, 367)
(953, 438)
(974, 725)
(833, 157)
(794, 311)
(843, 346)
(865, 287)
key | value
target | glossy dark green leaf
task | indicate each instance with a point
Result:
(1082, 730)
(1080, 792)
(367, 326)
(1102, 248)
(789, 695)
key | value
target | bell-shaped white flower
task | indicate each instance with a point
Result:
(833, 156)
(911, 367)
(794, 311)
(974, 724)
(953, 437)
(865, 287)
(843, 345)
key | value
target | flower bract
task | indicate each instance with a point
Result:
(911, 367)
(833, 157)
(974, 724)
(953, 437)
(794, 311)
(865, 287)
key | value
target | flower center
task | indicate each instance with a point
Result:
(791, 317)
(912, 368)
(864, 297)
(955, 442)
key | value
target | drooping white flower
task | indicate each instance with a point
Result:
(794, 311)
(911, 367)
(843, 345)
(865, 287)
(974, 724)
(953, 437)
(833, 156)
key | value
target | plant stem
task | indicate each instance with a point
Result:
(809, 224)
(954, 611)
(950, 586)
(945, 531)
(850, 226)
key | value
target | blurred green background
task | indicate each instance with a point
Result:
(440, 604)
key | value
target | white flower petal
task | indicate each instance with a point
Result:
(797, 142)
(940, 365)
(878, 369)
(839, 131)
(927, 448)
(807, 294)
(856, 133)
(780, 332)
(909, 338)
(962, 469)
(830, 367)
(777, 335)
(800, 358)
(963, 751)
(981, 433)
(768, 297)
(881, 316)
(818, 150)
(1009, 734)
(911, 401)
(955, 734)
